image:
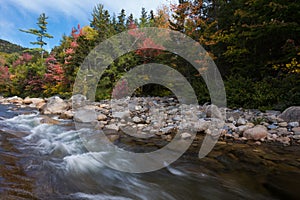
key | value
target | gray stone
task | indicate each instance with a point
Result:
(85, 115)
(291, 114)
(121, 115)
(212, 111)
(136, 119)
(54, 105)
(185, 136)
(241, 121)
(78, 101)
(293, 124)
(296, 137)
(113, 127)
(242, 129)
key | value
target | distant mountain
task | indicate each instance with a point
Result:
(8, 47)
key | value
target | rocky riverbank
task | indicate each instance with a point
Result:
(160, 119)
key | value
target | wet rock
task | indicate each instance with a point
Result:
(291, 114)
(256, 133)
(48, 120)
(113, 138)
(54, 105)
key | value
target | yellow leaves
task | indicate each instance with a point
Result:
(89, 33)
(292, 67)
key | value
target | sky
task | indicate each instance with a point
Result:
(63, 15)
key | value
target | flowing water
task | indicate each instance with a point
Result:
(42, 161)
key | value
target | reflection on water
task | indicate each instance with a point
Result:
(41, 161)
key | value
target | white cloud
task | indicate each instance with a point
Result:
(81, 9)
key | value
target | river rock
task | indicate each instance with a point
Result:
(212, 111)
(272, 126)
(15, 100)
(112, 127)
(121, 115)
(101, 117)
(284, 140)
(48, 120)
(293, 124)
(256, 133)
(291, 114)
(68, 114)
(78, 101)
(136, 119)
(296, 130)
(113, 138)
(85, 115)
(185, 135)
(241, 121)
(54, 105)
(242, 129)
(34, 101)
(283, 124)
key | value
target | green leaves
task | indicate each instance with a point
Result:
(41, 33)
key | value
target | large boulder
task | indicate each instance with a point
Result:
(256, 133)
(291, 114)
(54, 105)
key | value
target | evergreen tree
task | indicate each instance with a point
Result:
(41, 33)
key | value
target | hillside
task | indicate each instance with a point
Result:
(8, 47)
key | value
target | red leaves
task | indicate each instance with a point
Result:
(4, 73)
(25, 58)
(147, 47)
(55, 72)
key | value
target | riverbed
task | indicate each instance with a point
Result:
(49, 161)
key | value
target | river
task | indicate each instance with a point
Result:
(43, 161)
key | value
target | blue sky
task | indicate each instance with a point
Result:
(63, 15)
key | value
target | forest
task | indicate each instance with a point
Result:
(254, 43)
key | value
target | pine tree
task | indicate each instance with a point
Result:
(41, 33)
